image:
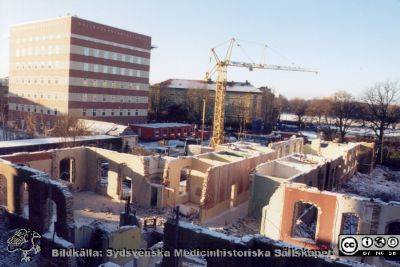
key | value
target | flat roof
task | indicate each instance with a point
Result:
(161, 125)
(52, 140)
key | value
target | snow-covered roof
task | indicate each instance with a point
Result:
(51, 140)
(102, 127)
(161, 125)
(199, 84)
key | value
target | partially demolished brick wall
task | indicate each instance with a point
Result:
(40, 189)
(189, 236)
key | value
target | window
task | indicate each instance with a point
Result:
(129, 112)
(137, 112)
(349, 224)
(120, 112)
(103, 113)
(105, 69)
(86, 51)
(123, 57)
(85, 82)
(94, 112)
(96, 68)
(104, 83)
(84, 97)
(112, 112)
(55, 111)
(115, 56)
(96, 53)
(122, 71)
(114, 70)
(139, 60)
(305, 221)
(106, 54)
(131, 59)
(84, 112)
(130, 72)
(85, 66)
(94, 98)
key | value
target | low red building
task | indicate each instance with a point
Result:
(159, 131)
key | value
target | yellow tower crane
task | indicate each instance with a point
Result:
(220, 68)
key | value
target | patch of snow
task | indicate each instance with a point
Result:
(382, 183)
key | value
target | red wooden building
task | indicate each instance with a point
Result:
(159, 131)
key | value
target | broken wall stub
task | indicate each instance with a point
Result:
(287, 147)
(196, 237)
(366, 157)
(127, 237)
(40, 188)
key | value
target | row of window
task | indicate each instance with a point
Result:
(36, 81)
(94, 52)
(112, 84)
(87, 97)
(107, 29)
(102, 41)
(36, 95)
(112, 70)
(37, 65)
(37, 51)
(82, 82)
(121, 112)
(36, 109)
(38, 38)
(113, 98)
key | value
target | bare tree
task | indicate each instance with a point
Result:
(30, 124)
(281, 104)
(67, 126)
(194, 103)
(381, 100)
(319, 109)
(342, 109)
(298, 106)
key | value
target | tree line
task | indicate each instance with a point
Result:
(377, 108)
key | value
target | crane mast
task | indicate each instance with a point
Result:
(221, 68)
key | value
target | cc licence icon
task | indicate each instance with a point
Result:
(380, 241)
(367, 242)
(348, 245)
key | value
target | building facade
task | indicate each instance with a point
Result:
(3, 100)
(76, 67)
(243, 101)
(159, 131)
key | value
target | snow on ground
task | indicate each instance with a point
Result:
(382, 183)
(90, 207)
(240, 227)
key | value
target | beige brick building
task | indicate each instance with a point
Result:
(243, 101)
(73, 66)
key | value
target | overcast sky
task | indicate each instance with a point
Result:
(353, 44)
